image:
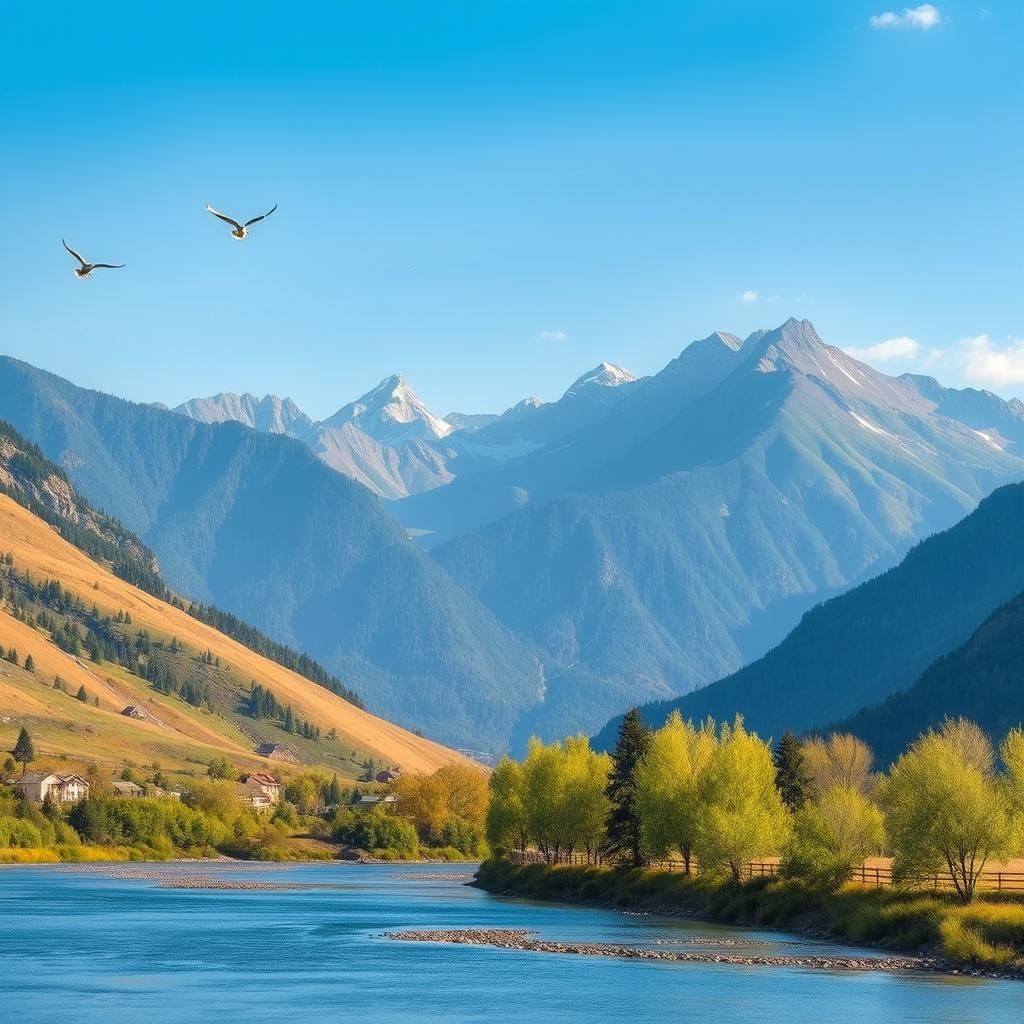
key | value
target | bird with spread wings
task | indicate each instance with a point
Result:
(87, 268)
(239, 230)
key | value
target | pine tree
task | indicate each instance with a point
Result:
(289, 719)
(792, 775)
(83, 694)
(334, 792)
(30, 664)
(23, 750)
(623, 827)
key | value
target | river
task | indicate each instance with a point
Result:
(79, 946)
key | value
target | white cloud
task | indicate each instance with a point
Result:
(553, 336)
(748, 296)
(985, 362)
(925, 17)
(887, 351)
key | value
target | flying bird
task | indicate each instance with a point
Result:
(87, 268)
(240, 230)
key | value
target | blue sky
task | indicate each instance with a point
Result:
(493, 197)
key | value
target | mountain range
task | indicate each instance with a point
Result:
(634, 541)
(389, 441)
(897, 653)
(163, 679)
(256, 525)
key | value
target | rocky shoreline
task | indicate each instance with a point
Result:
(520, 939)
(432, 876)
(199, 881)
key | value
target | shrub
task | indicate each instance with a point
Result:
(14, 832)
(376, 830)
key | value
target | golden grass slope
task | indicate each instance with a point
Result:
(40, 551)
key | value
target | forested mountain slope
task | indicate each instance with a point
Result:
(255, 524)
(857, 649)
(982, 680)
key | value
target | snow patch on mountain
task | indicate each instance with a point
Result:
(392, 412)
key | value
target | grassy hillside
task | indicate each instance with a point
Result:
(258, 526)
(221, 669)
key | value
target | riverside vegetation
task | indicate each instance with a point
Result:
(716, 798)
(439, 816)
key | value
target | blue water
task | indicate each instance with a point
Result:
(80, 947)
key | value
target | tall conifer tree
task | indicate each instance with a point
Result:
(792, 773)
(624, 828)
(23, 750)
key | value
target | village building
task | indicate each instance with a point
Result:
(162, 794)
(261, 790)
(277, 752)
(63, 789)
(375, 799)
(128, 789)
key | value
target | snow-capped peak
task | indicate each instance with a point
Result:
(392, 412)
(522, 408)
(604, 375)
(269, 414)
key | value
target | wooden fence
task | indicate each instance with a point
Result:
(879, 876)
(875, 876)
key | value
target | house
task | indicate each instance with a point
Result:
(134, 711)
(277, 752)
(261, 790)
(386, 776)
(373, 799)
(162, 794)
(64, 789)
(128, 789)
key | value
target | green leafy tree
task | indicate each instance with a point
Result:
(946, 809)
(586, 809)
(304, 793)
(742, 815)
(792, 774)
(507, 825)
(832, 835)
(377, 830)
(221, 768)
(1011, 753)
(544, 780)
(24, 751)
(668, 780)
(624, 828)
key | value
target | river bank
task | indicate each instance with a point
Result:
(983, 939)
(519, 939)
